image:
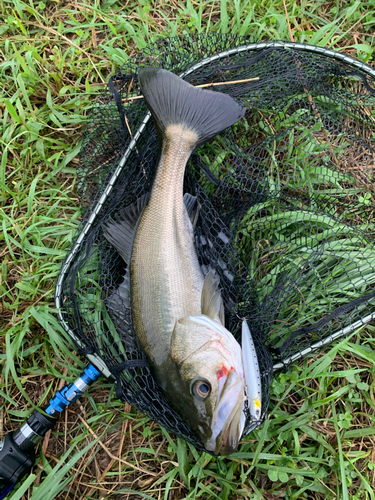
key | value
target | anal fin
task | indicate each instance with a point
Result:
(193, 207)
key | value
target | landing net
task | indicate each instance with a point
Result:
(287, 196)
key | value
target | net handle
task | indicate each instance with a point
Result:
(95, 359)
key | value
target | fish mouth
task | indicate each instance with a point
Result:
(228, 421)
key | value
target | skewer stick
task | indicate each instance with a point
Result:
(227, 83)
(213, 84)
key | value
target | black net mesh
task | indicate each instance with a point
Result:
(287, 197)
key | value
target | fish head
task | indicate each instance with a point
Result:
(211, 385)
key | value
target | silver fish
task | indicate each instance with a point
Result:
(178, 313)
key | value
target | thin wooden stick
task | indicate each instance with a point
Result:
(212, 84)
(287, 18)
(227, 83)
(127, 409)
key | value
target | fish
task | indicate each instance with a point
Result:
(177, 312)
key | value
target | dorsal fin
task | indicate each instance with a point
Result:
(121, 231)
(211, 301)
(192, 206)
(173, 101)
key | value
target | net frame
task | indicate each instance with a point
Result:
(96, 210)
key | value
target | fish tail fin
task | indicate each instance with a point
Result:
(173, 101)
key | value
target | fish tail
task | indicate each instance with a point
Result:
(173, 101)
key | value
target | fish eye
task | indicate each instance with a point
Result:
(201, 389)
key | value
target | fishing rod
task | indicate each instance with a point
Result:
(17, 448)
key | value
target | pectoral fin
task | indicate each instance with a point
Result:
(211, 301)
(187, 338)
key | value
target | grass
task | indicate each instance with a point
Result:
(55, 58)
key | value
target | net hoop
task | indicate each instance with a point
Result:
(95, 359)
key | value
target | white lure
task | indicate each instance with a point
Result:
(252, 374)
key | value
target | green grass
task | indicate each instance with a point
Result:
(55, 57)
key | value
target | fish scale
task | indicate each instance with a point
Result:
(164, 258)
